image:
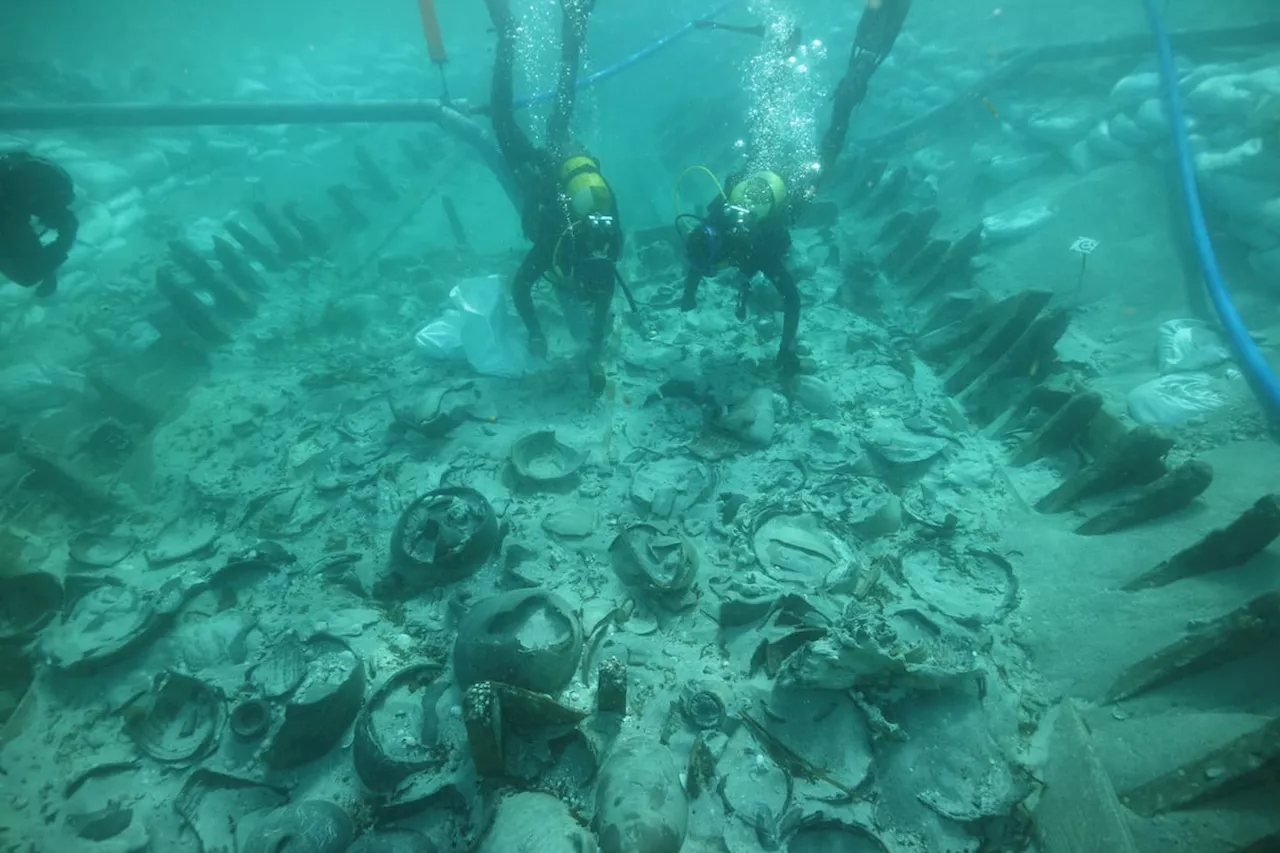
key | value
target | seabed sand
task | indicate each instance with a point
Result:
(297, 434)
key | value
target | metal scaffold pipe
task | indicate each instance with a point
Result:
(265, 113)
(213, 113)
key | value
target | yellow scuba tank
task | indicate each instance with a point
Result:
(585, 190)
(761, 194)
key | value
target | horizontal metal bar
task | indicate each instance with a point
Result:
(213, 113)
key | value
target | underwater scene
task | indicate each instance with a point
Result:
(577, 426)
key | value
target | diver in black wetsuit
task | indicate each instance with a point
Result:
(748, 225)
(570, 213)
(35, 197)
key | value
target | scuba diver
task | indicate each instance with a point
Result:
(35, 198)
(748, 224)
(570, 213)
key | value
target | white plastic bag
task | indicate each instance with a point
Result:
(442, 339)
(1188, 345)
(1174, 398)
(479, 328)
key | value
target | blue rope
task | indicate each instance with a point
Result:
(1262, 378)
(623, 64)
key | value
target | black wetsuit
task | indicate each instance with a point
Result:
(877, 31)
(583, 253)
(718, 244)
(34, 190)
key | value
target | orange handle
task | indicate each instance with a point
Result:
(431, 27)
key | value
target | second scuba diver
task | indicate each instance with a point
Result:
(748, 224)
(34, 190)
(748, 227)
(570, 213)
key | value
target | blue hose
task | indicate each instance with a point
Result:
(1262, 378)
(623, 64)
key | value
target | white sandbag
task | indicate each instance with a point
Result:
(1105, 145)
(1188, 345)
(95, 224)
(1060, 131)
(1173, 399)
(1127, 131)
(1235, 196)
(1265, 81)
(177, 152)
(1248, 159)
(1151, 116)
(1227, 97)
(1082, 158)
(130, 197)
(201, 232)
(1136, 88)
(32, 387)
(1007, 227)
(247, 88)
(1190, 76)
(99, 179)
(123, 222)
(147, 166)
(1011, 168)
(221, 150)
(163, 188)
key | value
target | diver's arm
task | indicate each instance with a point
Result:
(64, 222)
(21, 257)
(877, 31)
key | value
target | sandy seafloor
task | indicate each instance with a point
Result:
(931, 692)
